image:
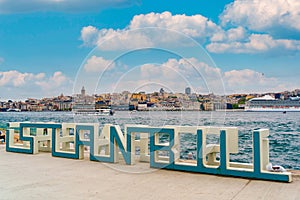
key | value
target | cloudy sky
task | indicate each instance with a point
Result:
(57, 46)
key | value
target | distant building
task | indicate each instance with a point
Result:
(161, 91)
(83, 91)
(83, 102)
(208, 106)
(142, 106)
(229, 106)
(277, 95)
(140, 97)
(188, 91)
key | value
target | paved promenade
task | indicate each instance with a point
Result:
(42, 176)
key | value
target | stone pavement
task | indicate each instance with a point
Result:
(42, 176)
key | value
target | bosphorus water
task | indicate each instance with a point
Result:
(284, 129)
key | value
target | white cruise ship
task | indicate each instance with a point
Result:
(268, 103)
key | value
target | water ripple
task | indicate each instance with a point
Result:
(284, 129)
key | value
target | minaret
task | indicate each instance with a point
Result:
(83, 91)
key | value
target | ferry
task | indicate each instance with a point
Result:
(83, 108)
(96, 112)
(13, 110)
(269, 103)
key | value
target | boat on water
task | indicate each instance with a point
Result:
(104, 112)
(270, 104)
(13, 110)
(96, 112)
(83, 108)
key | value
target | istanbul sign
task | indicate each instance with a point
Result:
(110, 144)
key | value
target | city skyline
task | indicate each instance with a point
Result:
(157, 100)
(286, 93)
(222, 47)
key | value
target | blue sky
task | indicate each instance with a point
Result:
(51, 47)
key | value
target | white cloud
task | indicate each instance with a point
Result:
(233, 34)
(148, 30)
(173, 74)
(246, 81)
(1, 60)
(263, 15)
(256, 43)
(98, 64)
(89, 35)
(186, 68)
(196, 26)
(245, 77)
(53, 83)
(20, 6)
(17, 79)
(109, 39)
(18, 85)
(236, 34)
(151, 70)
(138, 35)
(176, 74)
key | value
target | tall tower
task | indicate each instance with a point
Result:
(82, 91)
(188, 91)
(161, 91)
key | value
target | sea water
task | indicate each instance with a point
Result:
(284, 129)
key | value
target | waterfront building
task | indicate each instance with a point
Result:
(83, 102)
